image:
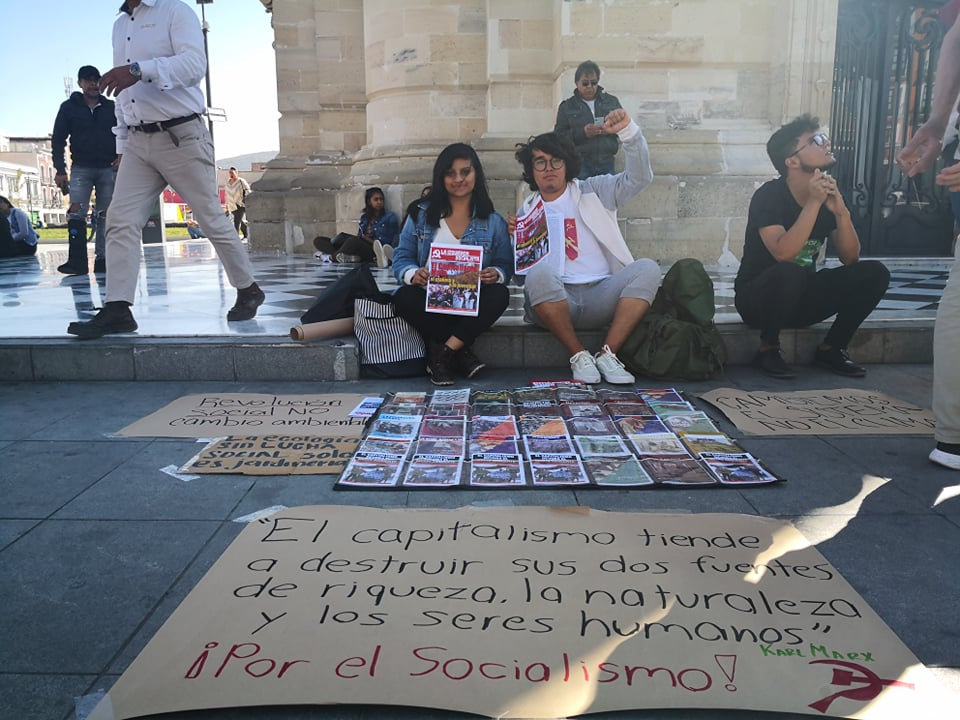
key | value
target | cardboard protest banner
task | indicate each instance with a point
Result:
(525, 612)
(218, 414)
(453, 287)
(274, 455)
(820, 412)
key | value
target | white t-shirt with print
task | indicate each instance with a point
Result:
(563, 219)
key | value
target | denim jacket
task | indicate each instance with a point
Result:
(385, 228)
(491, 234)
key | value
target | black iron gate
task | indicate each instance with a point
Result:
(882, 88)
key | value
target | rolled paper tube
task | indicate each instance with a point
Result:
(322, 330)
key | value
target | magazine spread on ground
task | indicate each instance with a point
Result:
(453, 287)
(547, 436)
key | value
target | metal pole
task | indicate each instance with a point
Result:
(206, 54)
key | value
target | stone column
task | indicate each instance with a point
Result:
(322, 100)
(426, 84)
(808, 32)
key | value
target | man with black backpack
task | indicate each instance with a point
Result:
(778, 284)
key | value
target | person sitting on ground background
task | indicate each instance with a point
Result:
(11, 245)
(377, 230)
(778, 285)
(589, 279)
(18, 236)
(580, 119)
(237, 190)
(458, 211)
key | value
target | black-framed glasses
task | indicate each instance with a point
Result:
(820, 139)
(589, 83)
(540, 163)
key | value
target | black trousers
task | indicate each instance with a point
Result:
(410, 301)
(786, 295)
(239, 223)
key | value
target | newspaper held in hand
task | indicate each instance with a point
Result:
(453, 287)
(531, 239)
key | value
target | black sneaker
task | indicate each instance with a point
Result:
(771, 362)
(440, 364)
(467, 363)
(838, 361)
(248, 300)
(113, 318)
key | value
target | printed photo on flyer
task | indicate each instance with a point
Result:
(453, 285)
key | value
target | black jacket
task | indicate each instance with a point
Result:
(573, 113)
(92, 142)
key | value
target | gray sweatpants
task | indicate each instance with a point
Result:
(591, 304)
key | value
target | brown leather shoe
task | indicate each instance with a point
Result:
(248, 300)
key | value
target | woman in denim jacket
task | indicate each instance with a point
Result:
(458, 211)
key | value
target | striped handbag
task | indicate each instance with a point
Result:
(388, 345)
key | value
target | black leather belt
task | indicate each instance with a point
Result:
(156, 127)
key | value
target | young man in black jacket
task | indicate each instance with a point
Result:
(580, 119)
(87, 118)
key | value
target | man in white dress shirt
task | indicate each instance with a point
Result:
(161, 140)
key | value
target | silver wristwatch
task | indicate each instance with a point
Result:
(135, 70)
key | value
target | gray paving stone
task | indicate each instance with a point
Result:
(73, 591)
(10, 530)
(140, 490)
(40, 697)
(39, 478)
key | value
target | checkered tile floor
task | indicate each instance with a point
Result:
(183, 292)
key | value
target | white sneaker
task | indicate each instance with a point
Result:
(948, 460)
(584, 368)
(388, 253)
(378, 253)
(612, 369)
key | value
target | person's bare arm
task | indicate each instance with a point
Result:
(924, 147)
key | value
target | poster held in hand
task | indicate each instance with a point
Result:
(453, 286)
(531, 239)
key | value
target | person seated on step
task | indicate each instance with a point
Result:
(17, 235)
(778, 284)
(413, 209)
(377, 234)
(589, 279)
(458, 211)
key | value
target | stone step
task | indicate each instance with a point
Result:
(245, 359)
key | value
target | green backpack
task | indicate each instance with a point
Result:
(677, 338)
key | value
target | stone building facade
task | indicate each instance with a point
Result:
(370, 90)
